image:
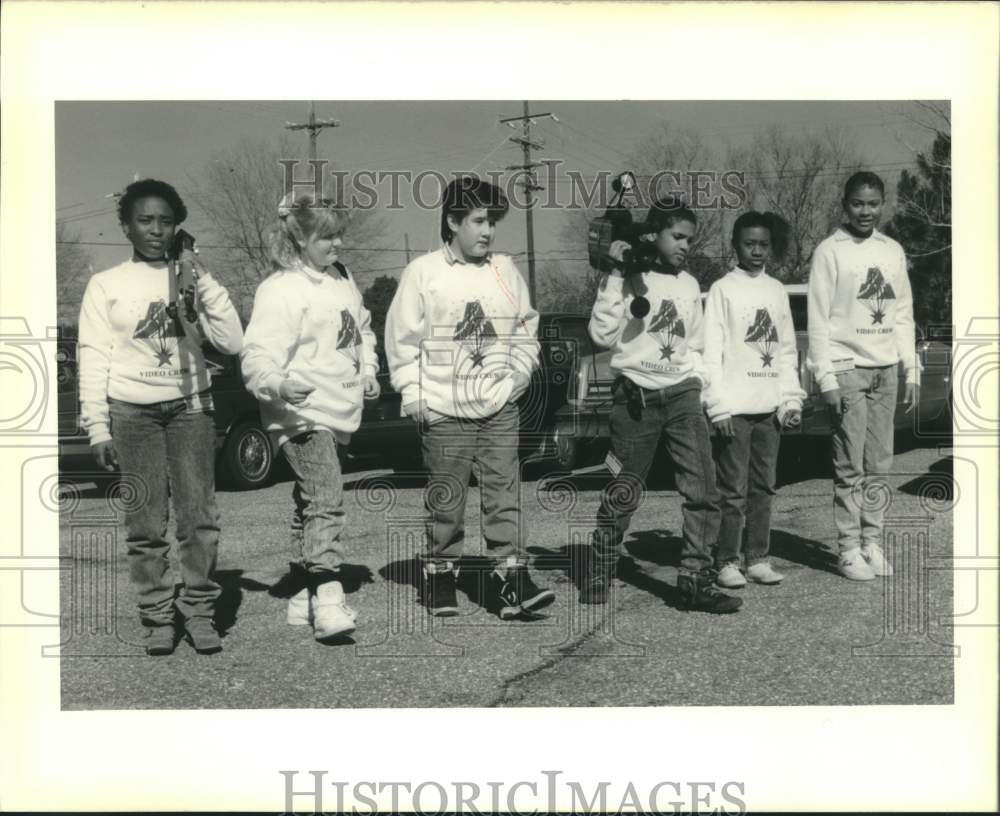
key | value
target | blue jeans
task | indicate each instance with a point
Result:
(862, 454)
(450, 447)
(166, 452)
(318, 501)
(674, 415)
(746, 471)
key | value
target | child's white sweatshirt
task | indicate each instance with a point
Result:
(311, 326)
(860, 307)
(750, 352)
(460, 336)
(133, 348)
(664, 347)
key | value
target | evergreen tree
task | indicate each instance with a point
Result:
(922, 224)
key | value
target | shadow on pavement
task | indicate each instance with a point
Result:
(938, 482)
(287, 584)
(228, 604)
(656, 546)
(659, 546)
(804, 551)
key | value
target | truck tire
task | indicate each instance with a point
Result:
(247, 457)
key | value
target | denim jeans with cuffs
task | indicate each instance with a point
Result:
(746, 472)
(451, 446)
(862, 454)
(317, 503)
(166, 453)
(673, 416)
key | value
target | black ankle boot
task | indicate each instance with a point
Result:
(699, 593)
(597, 581)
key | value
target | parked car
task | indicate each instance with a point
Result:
(582, 431)
(246, 459)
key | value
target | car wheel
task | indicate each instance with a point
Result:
(247, 458)
(567, 450)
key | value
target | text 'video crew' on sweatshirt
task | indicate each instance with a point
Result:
(461, 337)
(860, 307)
(750, 351)
(664, 347)
(136, 345)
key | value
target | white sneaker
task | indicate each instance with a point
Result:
(332, 617)
(852, 565)
(298, 609)
(876, 559)
(763, 573)
(730, 577)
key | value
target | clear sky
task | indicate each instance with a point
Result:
(100, 145)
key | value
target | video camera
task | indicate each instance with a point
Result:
(617, 225)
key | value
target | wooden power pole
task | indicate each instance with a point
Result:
(530, 183)
(314, 126)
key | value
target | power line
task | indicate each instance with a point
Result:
(530, 183)
(314, 126)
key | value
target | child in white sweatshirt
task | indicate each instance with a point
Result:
(146, 404)
(860, 329)
(460, 337)
(657, 396)
(309, 358)
(754, 392)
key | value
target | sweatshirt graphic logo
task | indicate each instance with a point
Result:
(762, 337)
(475, 332)
(349, 339)
(668, 328)
(160, 327)
(874, 293)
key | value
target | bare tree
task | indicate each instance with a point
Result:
(74, 267)
(566, 286)
(238, 190)
(799, 177)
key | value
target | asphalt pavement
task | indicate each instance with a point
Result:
(816, 639)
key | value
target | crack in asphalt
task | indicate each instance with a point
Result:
(506, 697)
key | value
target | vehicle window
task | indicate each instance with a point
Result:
(799, 312)
(564, 328)
(221, 365)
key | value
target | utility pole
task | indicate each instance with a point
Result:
(530, 183)
(406, 243)
(314, 126)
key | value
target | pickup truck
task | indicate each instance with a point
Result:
(582, 431)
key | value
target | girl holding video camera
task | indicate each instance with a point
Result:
(657, 396)
(146, 404)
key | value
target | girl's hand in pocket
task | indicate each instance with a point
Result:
(295, 391)
(724, 427)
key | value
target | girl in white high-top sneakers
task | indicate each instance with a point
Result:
(860, 330)
(461, 341)
(309, 357)
(753, 393)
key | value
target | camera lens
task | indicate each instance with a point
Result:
(639, 307)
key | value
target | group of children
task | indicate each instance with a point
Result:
(716, 384)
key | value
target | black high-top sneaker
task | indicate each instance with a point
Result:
(439, 589)
(515, 592)
(699, 593)
(596, 586)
